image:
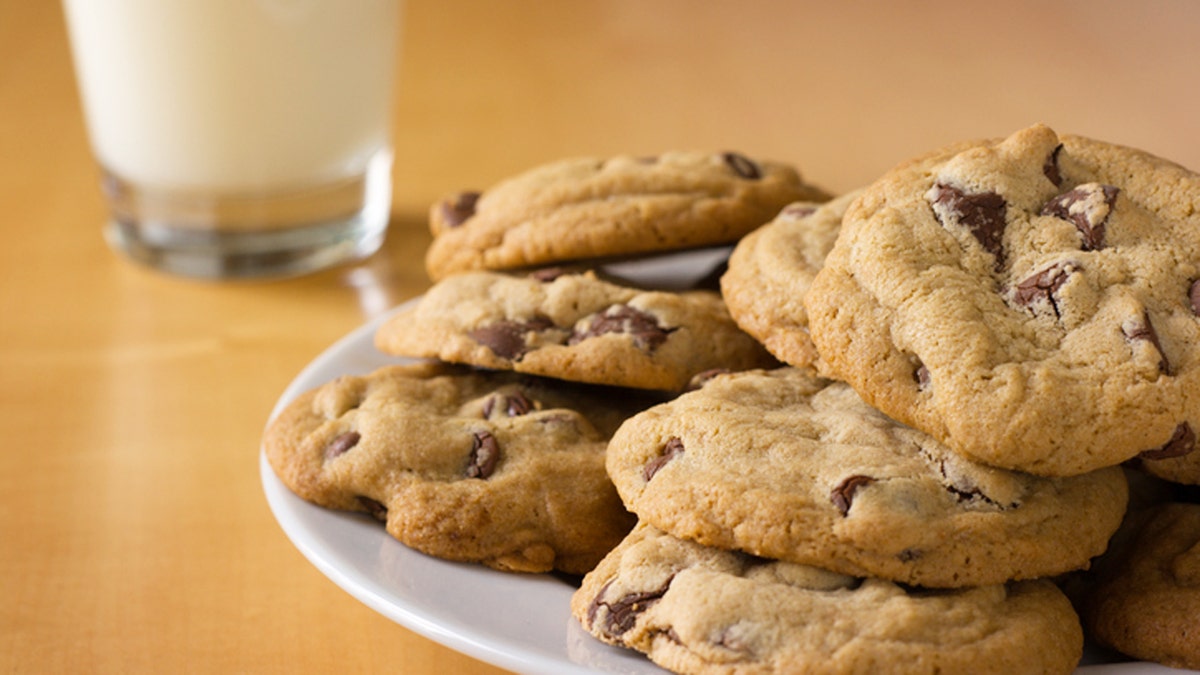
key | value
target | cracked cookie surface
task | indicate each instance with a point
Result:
(589, 208)
(784, 465)
(573, 326)
(1032, 302)
(696, 609)
(496, 468)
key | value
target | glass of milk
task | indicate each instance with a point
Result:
(240, 138)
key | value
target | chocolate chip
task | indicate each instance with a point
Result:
(341, 443)
(672, 449)
(597, 603)
(506, 338)
(548, 274)
(1050, 168)
(513, 404)
(798, 211)
(1194, 297)
(1144, 330)
(455, 212)
(966, 493)
(909, 554)
(485, 454)
(643, 326)
(1182, 442)
(742, 165)
(623, 612)
(1042, 286)
(965, 490)
(842, 496)
(375, 509)
(1087, 207)
(921, 376)
(702, 378)
(983, 213)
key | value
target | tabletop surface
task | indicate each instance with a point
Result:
(134, 530)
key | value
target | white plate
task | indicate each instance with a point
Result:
(518, 622)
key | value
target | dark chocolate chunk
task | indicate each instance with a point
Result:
(1144, 330)
(1194, 297)
(842, 496)
(623, 612)
(983, 213)
(1043, 285)
(456, 211)
(1050, 168)
(485, 454)
(921, 376)
(1182, 442)
(670, 451)
(742, 165)
(966, 493)
(375, 509)
(341, 444)
(643, 326)
(513, 404)
(506, 338)
(1087, 207)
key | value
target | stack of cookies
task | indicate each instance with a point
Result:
(906, 420)
(493, 449)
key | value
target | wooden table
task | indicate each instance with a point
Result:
(134, 535)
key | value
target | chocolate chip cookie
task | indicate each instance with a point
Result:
(784, 465)
(1148, 602)
(588, 208)
(1032, 302)
(573, 326)
(771, 269)
(496, 468)
(695, 609)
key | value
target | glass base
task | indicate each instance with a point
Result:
(210, 236)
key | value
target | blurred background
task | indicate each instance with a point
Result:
(135, 532)
(844, 89)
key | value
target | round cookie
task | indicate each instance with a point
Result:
(573, 326)
(494, 468)
(787, 466)
(1031, 302)
(587, 208)
(771, 269)
(1148, 601)
(695, 609)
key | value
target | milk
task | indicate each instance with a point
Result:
(234, 96)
